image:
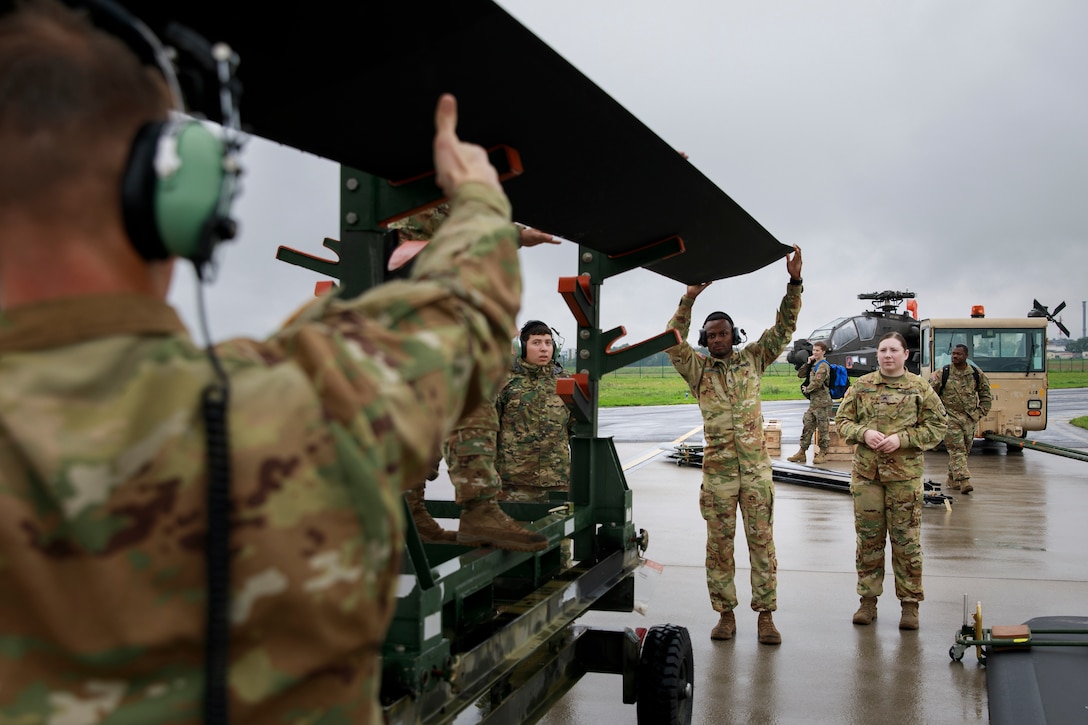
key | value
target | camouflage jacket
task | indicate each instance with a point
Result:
(535, 428)
(728, 391)
(960, 395)
(907, 406)
(103, 478)
(818, 388)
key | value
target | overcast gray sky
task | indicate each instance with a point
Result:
(932, 146)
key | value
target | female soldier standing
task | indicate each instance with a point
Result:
(893, 416)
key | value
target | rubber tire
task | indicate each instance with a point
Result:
(666, 677)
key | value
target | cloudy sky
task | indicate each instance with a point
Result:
(931, 146)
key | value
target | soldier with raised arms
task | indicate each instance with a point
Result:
(736, 467)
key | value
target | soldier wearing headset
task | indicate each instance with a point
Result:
(736, 467)
(108, 410)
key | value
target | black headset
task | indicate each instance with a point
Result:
(523, 337)
(738, 335)
(181, 178)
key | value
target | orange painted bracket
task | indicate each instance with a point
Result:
(578, 295)
(505, 159)
(575, 392)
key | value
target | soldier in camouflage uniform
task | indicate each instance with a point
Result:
(470, 449)
(736, 467)
(819, 406)
(535, 425)
(103, 475)
(965, 392)
(893, 415)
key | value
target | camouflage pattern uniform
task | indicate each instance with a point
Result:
(966, 405)
(819, 404)
(103, 478)
(470, 455)
(887, 487)
(535, 428)
(736, 467)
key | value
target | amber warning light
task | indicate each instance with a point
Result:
(978, 311)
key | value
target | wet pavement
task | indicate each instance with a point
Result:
(1016, 544)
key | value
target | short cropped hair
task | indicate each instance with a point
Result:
(72, 98)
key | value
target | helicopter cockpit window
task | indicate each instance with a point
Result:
(844, 335)
(823, 333)
(866, 327)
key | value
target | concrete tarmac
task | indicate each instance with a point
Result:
(1016, 544)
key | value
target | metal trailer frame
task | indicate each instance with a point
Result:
(488, 636)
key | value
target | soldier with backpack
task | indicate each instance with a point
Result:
(816, 389)
(965, 392)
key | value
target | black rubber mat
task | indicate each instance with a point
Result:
(1041, 684)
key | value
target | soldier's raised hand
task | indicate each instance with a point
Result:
(457, 162)
(793, 263)
(694, 290)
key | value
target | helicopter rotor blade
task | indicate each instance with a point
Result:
(1059, 308)
(1062, 327)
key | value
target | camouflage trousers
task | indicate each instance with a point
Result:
(470, 457)
(815, 420)
(883, 511)
(719, 497)
(958, 439)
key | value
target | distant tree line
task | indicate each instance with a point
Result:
(1080, 345)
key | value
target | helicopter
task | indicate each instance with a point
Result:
(852, 341)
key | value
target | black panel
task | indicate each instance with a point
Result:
(357, 83)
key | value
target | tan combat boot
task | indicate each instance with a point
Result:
(965, 486)
(820, 457)
(866, 612)
(483, 523)
(909, 619)
(767, 632)
(951, 484)
(430, 531)
(726, 626)
(801, 456)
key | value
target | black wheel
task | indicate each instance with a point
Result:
(952, 654)
(666, 677)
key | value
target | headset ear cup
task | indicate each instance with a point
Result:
(171, 190)
(138, 193)
(189, 165)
